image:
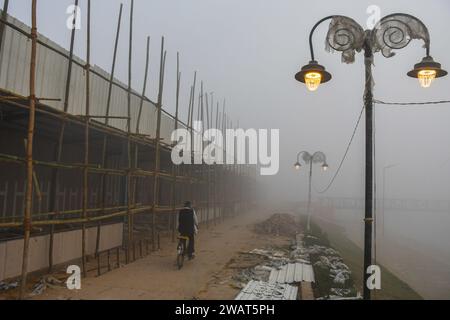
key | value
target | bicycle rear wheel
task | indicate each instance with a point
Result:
(180, 256)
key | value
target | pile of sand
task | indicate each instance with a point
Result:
(281, 224)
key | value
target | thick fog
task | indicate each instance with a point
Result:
(248, 52)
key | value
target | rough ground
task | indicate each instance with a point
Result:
(156, 276)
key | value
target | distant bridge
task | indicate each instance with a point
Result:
(388, 204)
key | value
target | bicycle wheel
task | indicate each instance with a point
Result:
(180, 256)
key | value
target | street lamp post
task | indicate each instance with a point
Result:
(318, 157)
(392, 32)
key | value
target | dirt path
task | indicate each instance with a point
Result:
(156, 277)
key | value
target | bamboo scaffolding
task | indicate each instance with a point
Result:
(191, 117)
(138, 123)
(208, 174)
(30, 137)
(129, 160)
(67, 56)
(174, 168)
(201, 119)
(2, 26)
(157, 142)
(95, 170)
(59, 146)
(215, 171)
(147, 62)
(98, 127)
(85, 189)
(107, 118)
(68, 221)
(194, 179)
(224, 168)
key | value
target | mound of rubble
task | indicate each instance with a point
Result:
(334, 275)
(280, 224)
(281, 273)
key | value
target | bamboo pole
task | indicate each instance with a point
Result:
(105, 137)
(215, 171)
(224, 168)
(138, 122)
(86, 137)
(208, 173)
(199, 192)
(30, 137)
(157, 142)
(174, 168)
(59, 147)
(147, 62)
(128, 184)
(122, 213)
(2, 26)
(92, 169)
(191, 117)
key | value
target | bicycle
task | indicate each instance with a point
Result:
(181, 251)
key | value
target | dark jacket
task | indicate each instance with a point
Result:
(186, 221)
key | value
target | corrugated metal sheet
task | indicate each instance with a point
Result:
(292, 273)
(51, 81)
(260, 290)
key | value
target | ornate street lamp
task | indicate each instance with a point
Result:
(392, 32)
(319, 158)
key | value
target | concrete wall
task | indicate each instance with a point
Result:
(67, 247)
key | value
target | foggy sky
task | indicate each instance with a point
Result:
(248, 52)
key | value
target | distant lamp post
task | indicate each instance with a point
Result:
(319, 158)
(392, 32)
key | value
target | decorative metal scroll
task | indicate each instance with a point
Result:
(393, 32)
(318, 157)
(396, 32)
(345, 35)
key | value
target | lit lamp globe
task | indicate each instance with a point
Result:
(313, 75)
(297, 166)
(427, 71)
(325, 167)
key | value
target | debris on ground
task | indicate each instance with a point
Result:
(280, 224)
(259, 290)
(8, 286)
(333, 275)
(44, 283)
(279, 266)
(292, 273)
(259, 273)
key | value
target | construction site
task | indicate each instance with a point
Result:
(171, 150)
(86, 170)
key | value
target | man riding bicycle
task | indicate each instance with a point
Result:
(188, 226)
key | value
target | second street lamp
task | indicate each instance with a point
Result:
(318, 157)
(392, 32)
